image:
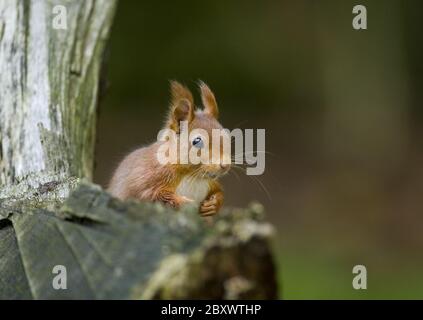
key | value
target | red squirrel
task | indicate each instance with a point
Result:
(141, 176)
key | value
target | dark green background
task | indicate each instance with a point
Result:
(342, 113)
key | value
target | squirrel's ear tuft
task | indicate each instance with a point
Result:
(181, 106)
(181, 111)
(178, 92)
(208, 99)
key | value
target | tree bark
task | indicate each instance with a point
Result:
(48, 90)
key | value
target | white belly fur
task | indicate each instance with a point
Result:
(195, 189)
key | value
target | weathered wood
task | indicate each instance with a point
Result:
(48, 90)
(129, 250)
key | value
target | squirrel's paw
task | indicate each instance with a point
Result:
(179, 201)
(176, 201)
(209, 207)
(184, 200)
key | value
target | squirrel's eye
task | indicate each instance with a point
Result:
(198, 142)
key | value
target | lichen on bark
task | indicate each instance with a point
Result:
(132, 250)
(48, 88)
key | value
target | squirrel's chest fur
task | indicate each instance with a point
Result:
(195, 189)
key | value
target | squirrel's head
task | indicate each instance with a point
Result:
(206, 136)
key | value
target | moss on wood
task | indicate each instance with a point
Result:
(132, 250)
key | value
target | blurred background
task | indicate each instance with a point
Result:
(343, 118)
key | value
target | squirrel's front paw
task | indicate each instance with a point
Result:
(210, 206)
(173, 200)
(178, 202)
(184, 200)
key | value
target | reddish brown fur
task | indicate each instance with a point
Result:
(141, 176)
